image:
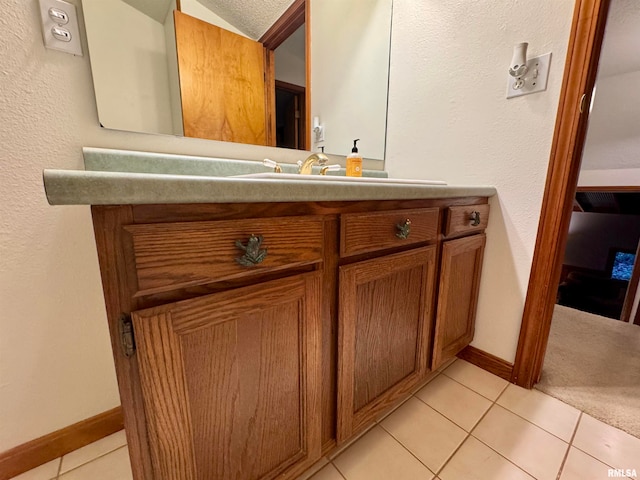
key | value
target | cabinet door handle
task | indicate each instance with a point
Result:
(404, 229)
(253, 254)
(475, 219)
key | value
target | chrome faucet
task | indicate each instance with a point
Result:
(304, 168)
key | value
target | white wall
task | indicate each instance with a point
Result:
(593, 235)
(290, 59)
(175, 97)
(613, 138)
(449, 119)
(614, 177)
(55, 359)
(350, 55)
(129, 57)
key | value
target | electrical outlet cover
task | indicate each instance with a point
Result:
(532, 83)
(74, 46)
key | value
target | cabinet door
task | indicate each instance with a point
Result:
(458, 296)
(384, 333)
(231, 381)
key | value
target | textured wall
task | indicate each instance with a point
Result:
(55, 358)
(449, 119)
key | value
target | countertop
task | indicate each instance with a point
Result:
(152, 179)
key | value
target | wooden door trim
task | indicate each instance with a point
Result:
(301, 93)
(583, 54)
(292, 19)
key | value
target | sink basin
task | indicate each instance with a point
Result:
(340, 178)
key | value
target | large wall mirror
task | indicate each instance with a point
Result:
(245, 71)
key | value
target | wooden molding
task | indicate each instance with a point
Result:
(292, 19)
(583, 54)
(487, 362)
(54, 445)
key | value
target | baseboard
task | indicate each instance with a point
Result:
(54, 445)
(487, 362)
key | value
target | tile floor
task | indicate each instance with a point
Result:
(465, 424)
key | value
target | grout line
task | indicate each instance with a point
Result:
(483, 396)
(406, 448)
(566, 454)
(534, 424)
(469, 432)
(581, 450)
(497, 452)
(336, 467)
(92, 460)
(59, 468)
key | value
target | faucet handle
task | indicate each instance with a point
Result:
(267, 162)
(330, 168)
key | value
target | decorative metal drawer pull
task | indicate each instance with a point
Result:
(253, 254)
(475, 219)
(404, 229)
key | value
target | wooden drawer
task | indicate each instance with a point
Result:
(177, 255)
(368, 232)
(460, 219)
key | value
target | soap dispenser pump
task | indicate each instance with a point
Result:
(354, 161)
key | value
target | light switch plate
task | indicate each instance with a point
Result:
(74, 46)
(533, 82)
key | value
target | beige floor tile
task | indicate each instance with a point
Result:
(476, 461)
(455, 401)
(432, 376)
(479, 380)
(309, 473)
(112, 466)
(608, 444)
(547, 412)
(425, 433)
(446, 364)
(44, 472)
(329, 472)
(580, 466)
(532, 449)
(92, 451)
(377, 456)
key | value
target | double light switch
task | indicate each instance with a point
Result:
(60, 26)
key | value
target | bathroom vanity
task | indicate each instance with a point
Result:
(252, 338)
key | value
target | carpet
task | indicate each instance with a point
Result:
(593, 363)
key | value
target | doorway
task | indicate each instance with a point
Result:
(585, 43)
(290, 115)
(581, 70)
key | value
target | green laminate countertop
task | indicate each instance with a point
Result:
(115, 177)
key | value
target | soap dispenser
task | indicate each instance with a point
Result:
(354, 161)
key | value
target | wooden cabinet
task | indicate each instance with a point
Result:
(252, 363)
(384, 333)
(461, 266)
(231, 381)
